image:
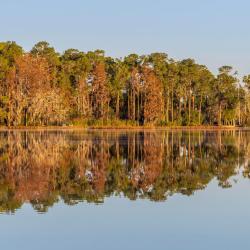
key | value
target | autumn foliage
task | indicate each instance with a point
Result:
(43, 87)
(153, 107)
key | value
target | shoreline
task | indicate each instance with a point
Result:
(129, 128)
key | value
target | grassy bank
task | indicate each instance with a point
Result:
(122, 127)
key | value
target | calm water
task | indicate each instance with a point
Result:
(125, 190)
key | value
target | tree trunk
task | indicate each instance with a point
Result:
(200, 111)
(180, 106)
(189, 110)
(239, 114)
(138, 108)
(219, 122)
(25, 117)
(167, 110)
(172, 106)
(117, 108)
(128, 104)
(134, 105)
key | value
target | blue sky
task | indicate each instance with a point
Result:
(214, 32)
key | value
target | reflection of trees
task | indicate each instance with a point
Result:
(43, 167)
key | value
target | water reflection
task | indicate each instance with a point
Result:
(43, 167)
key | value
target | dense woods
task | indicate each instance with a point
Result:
(43, 168)
(43, 87)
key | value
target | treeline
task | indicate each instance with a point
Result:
(43, 87)
(43, 168)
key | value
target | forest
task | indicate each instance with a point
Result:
(45, 88)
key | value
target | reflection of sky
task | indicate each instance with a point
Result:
(214, 218)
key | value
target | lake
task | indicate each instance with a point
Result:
(152, 189)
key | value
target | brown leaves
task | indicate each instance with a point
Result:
(33, 99)
(100, 93)
(153, 106)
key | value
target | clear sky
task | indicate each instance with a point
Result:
(214, 32)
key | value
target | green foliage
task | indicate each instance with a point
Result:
(79, 122)
(112, 123)
(194, 119)
(85, 86)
